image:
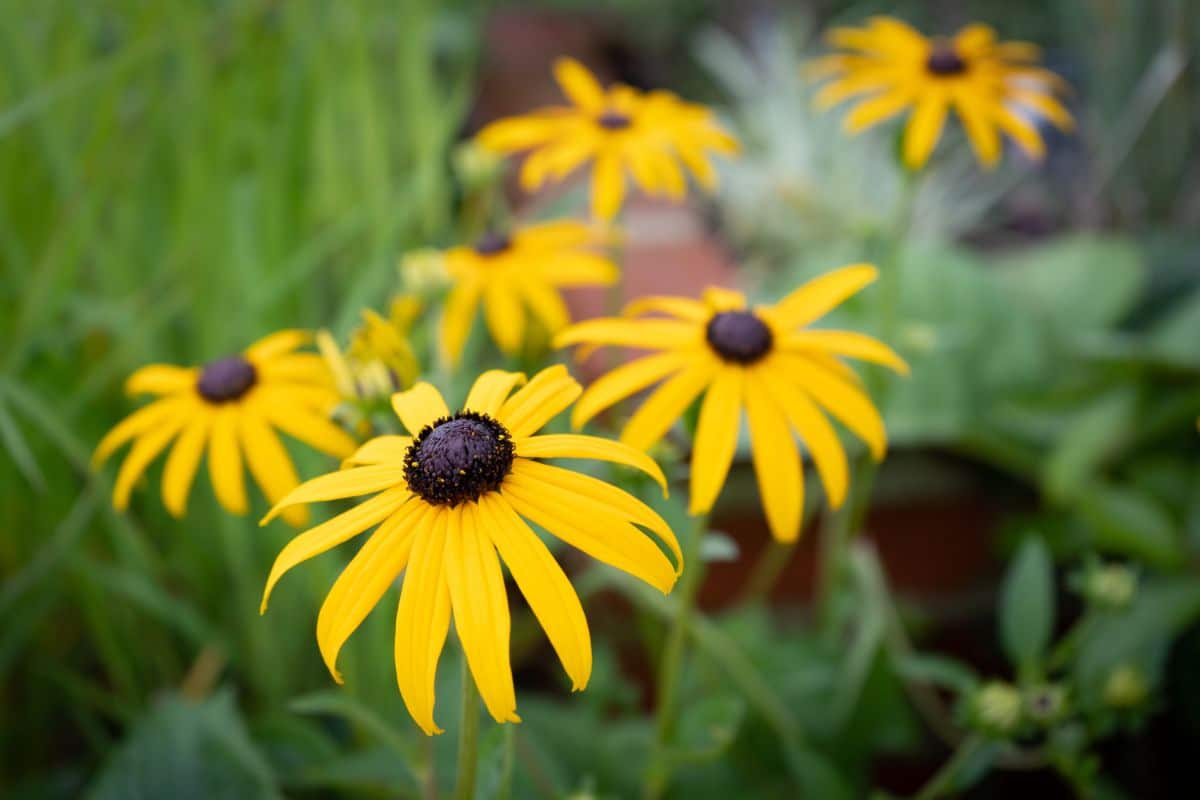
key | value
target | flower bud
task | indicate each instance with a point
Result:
(996, 708)
(1111, 587)
(1046, 704)
(1126, 687)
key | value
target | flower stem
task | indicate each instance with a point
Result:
(945, 781)
(468, 736)
(659, 774)
(766, 571)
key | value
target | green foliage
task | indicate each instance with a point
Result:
(1027, 606)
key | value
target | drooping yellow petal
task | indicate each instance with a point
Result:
(136, 423)
(270, 464)
(876, 109)
(362, 583)
(332, 532)
(657, 334)
(579, 85)
(841, 398)
(225, 460)
(822, 294)
(298, 422)
(566, 445)
(338, 485)
(697, 163)
(846, 343)
(546, 304)
(423, 620)
(608, 186)
(490, 390)
(1022, 132)
(603, 536)
(1045, 105)
(546, 395)
(980, 130)
(776, 462)
(297, 368)
(505, 318)
(603, 498)
(275, 345)
(182, 463)
(160, 379)
(480, 605)
(924, 129)
(457, 317)
(624, 381)
(716, 438)
(147, 446)
(387, 449)
(544, 585)
(419, 406)
(865, 82)
(667, 403)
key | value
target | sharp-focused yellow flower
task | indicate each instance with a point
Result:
(994, 87)
(450, 505)
(232, 407)
(759, 359)
(514, 273)
(619, 130)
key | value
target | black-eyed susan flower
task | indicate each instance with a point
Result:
(763, 360)
(450, 503)
(620, 131)
(994, 87)
(232, 408)
(516, 275)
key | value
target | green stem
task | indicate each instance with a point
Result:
(504, 790)
(659, 774)
(765, 574)
(468, 736)
(945, 780)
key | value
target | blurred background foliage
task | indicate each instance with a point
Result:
(178, 178)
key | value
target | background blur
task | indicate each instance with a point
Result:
(178, 178)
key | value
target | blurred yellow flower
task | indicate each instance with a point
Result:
(994, 87)
(756, 359)
(231, 406)
(451, 498)
(379, 359)
(423, 271)
(620, 130)
(512, 272)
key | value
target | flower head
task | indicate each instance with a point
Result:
(451, 500)
(994, 87)
(996, 708)
(620, 130)
(519, 274)
(231, 407)
(379, 359)
(739, 357)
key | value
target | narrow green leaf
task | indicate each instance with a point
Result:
(1027, 605)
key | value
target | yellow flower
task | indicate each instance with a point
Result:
(994, 87)
(450, 503)
(621, 130)
(231, 406)
(510, 273)
(758, 359)
(379, 360)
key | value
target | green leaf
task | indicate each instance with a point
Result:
(937, 671)
(1027, 605)
(1086, 441)
(707, 727)
(186, 750)
(1130, 522)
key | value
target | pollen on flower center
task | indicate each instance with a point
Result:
(491, 243)
(738, 336)
(226, 379)
(614, 121)
(944, 60)
(458, 458)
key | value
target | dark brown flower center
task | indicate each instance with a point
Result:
(944, 60)
(738, 336)
(458, 458)
(613, 121)
(491, 243)
(226, 379)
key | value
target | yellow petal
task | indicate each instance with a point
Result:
(973, 40)
(579, 269)
(624, 381)
(846, 343)
(136, 423)
(546, 304)
(1045, 105)
(518, 133)
(842, 399)
(608, 186)
(456, 319)
(337, 485)
(332, 532)
(270, 464)
(683, 308)
(924, 129)
(659, 334)
(369, 574)
(566, 445)
(183, 462)
(720, 299)
(480, 606)
(864, 82)
(423, 620)
(539, 401)
(980, 130)
(698, 164)
(579, 85)
(160, 379)
(667, 403)
(276, 344)
(388, 449)
(776, 462)
(716, 438)
(505, 319)
(419, 406)
(544, 585)
(296, 421)
(490, 390)
(225, 460)
(876, 109)
(297, 368)
(822, 294)
(1022, 132)
(148, 445)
